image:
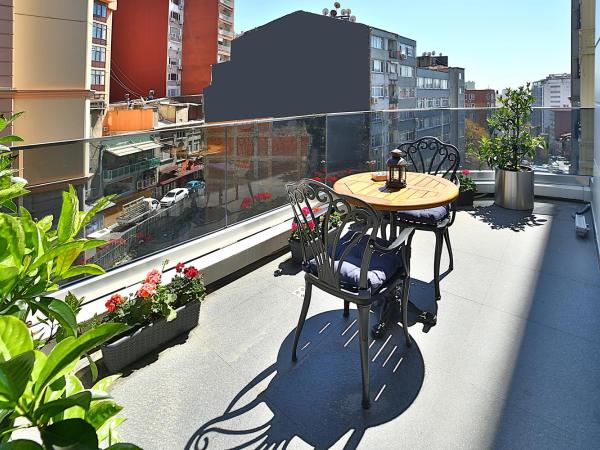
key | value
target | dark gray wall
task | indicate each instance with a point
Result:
(300, 64)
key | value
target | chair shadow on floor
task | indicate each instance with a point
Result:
(318, 399)
(500, 218)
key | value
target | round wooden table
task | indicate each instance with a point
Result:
(422, 191)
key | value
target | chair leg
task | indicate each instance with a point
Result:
(363, 328)
(305, 305)
(346, 308)
(449, 247)
(405, 289)
(439, 241)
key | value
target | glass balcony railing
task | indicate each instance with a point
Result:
(244, 167)
(112, 174)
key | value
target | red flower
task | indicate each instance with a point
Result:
(466, 172)
(246, 203)
(331, 179)
(179, 267)
(153, 277)
(316, 209)
(146, 290)
(113, 302)
(262, 196)
(316, 178)
(191, 272)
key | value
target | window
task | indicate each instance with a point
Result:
(436, 83)
(175, 33)
(98, 53)
(392, 67)
(173, 76)
(445, 102)
(99, 31)
(377, 65)
(377, 42)
(377, 91)
(410, 51)
(444, 84)
(406, 71)
(420, 103)
(460, 76)
(420, 82)
(173, 92)
(173, 62)
(175, 16)
(97, 77)
(100, 9)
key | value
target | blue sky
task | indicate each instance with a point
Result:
(499, 43)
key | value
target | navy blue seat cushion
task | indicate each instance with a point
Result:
(428, 216)
(381, 268)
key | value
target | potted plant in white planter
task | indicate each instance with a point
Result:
(156, 313)
(511, 147)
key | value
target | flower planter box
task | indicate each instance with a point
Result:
(126, 349)
(296, 248)
(465, 198)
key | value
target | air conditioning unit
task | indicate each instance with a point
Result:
(179, 66)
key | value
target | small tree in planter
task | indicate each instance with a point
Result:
(511, 147)
(156, 313)
(467, 189)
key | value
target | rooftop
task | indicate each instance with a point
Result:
(512, 363)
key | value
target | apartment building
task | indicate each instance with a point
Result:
(583, 45)
(438, 87)
(480, 98)
(62, 90)
(165, 48)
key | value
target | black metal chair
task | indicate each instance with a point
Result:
(432, 156)
(355, 262)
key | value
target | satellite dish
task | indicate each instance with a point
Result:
(424, 54)
(433, 53)
(336, 5)
(348, 11)
(333, 13)
(343, 12)
(352, 18)
(325, 11)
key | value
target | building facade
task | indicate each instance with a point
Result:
(61, 90)
(439, 87)
(480, 98)
(165, 48)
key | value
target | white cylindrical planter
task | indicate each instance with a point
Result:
(514, 190)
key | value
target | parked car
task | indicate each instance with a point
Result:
(174, 196)
(195, 185)
(137, 210)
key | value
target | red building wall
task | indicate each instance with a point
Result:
(483, 97)
(200, 32)
(139, 49)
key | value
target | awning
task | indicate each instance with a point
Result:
(130, 148)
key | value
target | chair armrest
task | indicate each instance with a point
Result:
(398, 242)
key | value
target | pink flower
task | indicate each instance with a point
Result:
(305, 211)
(311, 224)
(179, 267)
(246, 203)
(466, 172)
(153, 277)
(146, 290)
(294, 226)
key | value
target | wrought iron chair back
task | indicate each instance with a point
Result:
(314, 205)
(432, 156)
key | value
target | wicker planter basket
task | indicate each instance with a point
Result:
(128, 348)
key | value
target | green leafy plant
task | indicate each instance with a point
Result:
(466, 183)
(43, 393)
(155, 300)
(310, 227)
(35, 258)
(511, 144)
